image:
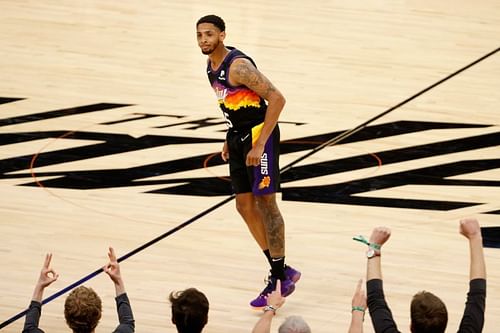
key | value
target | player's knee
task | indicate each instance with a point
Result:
(267, 202)
(244, 207)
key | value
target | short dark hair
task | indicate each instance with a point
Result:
(82, 310)
(189, 310)
(214, 19)
(428, 313)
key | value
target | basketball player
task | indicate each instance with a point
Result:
(251, 106)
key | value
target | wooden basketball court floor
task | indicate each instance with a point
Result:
(107, 106)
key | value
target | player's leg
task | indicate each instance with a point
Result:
(247, 207)
(238, 145)
(275, 235)
(275, 232)
(265, 184)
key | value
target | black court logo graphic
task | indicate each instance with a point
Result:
(348, 193)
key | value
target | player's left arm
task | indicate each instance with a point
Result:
(243, 72)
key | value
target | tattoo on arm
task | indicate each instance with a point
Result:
(245, 73)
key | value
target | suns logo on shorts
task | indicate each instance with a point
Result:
(265, 182)
(264, 164)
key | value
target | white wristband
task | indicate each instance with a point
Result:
(270, 308)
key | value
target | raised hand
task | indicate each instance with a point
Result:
(275, 299)
(47, 274)
(112, 268)
(359, 297)
(469, 227)
(380, 235)
(358, 309)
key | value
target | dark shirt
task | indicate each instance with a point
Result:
(383, 322)
(32, 318)
(125, 316)
(473, 318)
(379, 310)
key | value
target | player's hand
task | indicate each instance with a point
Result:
(254, 155)
(225, 152)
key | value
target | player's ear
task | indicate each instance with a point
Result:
(222, 36)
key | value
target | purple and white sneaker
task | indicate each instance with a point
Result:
(287, 287)
(292, 274)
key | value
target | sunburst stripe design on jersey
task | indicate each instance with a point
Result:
(238, 98)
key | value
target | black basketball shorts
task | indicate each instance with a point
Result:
(261, 179)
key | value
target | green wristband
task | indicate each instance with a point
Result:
(358, 308)
(362, 239)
